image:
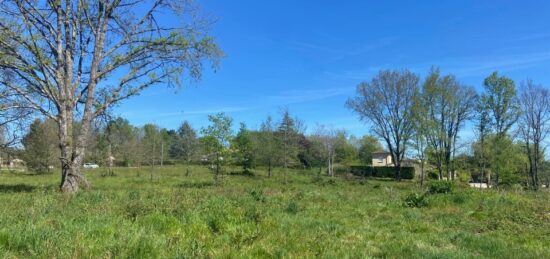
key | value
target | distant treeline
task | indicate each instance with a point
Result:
(277, 143)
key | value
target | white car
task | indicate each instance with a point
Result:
(90, 166)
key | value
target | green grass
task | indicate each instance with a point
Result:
(174, 216)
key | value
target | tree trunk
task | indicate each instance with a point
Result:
(72, 179)
(269, 168)
(398, 172)
(161, 154)
(71, 158)
(422, 172)
(110, 158)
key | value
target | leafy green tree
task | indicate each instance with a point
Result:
(244, 150)
(98, 145)
(151, 146)
(266, 145)
(500, 99)
(482, 126)
(185, 144)
(216, 140)
(315, 153)
(367, 145)
(41, 151)
(166, 137)
(124, 141)
(422, 125)
(345, 152)
(288, 138)
(510, 163)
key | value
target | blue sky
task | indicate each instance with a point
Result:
(309, 55)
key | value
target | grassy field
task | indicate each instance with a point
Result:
(176, 216)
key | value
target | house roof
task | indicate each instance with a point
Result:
(380, 152)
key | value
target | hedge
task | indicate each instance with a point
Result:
(382, 172)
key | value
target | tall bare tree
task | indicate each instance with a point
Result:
(14, 118)
(71, 60)
(534, 125)
(387, 102)
(328, 136)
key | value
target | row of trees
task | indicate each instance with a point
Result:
(282, 143)
(423, 118)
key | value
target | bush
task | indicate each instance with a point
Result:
(415, 200)
(381, 172)
(440, 187)
(340, 169)
(292, 208)
(464, 176)
(433, 175)
(361, 170)
(257, 195)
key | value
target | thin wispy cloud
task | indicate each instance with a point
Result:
(474, 66)
(356, 74)
(300, 96)
(186, 113)
(383, 42)
(312, 46)
(227, 109)
(529, 37)
(460, 66)
(339, 53)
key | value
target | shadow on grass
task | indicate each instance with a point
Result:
(10, 188)
(198, 185)
(242, 173)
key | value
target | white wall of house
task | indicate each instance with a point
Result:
(381, 159)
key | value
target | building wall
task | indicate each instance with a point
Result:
(381, 160)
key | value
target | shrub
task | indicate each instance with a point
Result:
(464, 176)
(136, 208)
(440, 187)
(246, 172)
(458, 198)
(257, 195)
(415, 200)
(214, 224)
(253, 214)
(381, 172)
(292, 208)
(433, 175)
(330, 182)
(340, 169)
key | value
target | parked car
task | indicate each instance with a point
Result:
(90, 166)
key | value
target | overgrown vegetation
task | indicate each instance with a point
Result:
(174, 215)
